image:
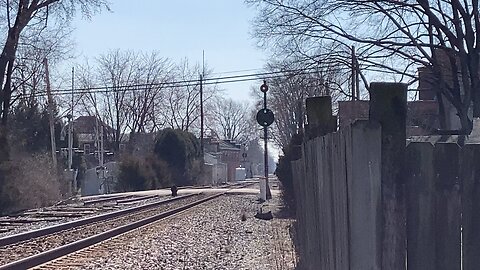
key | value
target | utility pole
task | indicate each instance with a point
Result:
(354, 83)
(355, 76)
(97, 141)
(70, 139)
(50, 114)
(70, 128)
(201, 114)
(101, 162)
(201, 104)
(101, 146)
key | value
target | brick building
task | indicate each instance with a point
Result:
(422, 115)
(226, 152)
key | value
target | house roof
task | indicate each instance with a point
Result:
(88, 124)
(228, 145)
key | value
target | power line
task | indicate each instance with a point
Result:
(238, 71)
(185, 83)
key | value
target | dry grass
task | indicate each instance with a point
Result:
(30, 182)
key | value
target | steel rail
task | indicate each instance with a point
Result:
(107, 199)
(55, 253)
(16, 238)
(138, 198)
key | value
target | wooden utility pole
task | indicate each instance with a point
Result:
(201, 103)
(101, 162)
(50, 114)
(70, 128)
(201, 114)
(353, 82)
(355, 76)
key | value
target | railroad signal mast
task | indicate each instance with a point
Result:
(265, 118)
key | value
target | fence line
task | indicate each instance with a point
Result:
(338, 199)
(339, 202)
(366, 200)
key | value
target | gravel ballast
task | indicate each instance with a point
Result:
(220, 234)
(96, 209)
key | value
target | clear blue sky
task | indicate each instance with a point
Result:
(178, 29)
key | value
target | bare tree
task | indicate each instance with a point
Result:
(232, 120)
(287, 94)
(117, 72)
(153, 74)
(25, 18)
(86, 79)
(124, 90)
(28, 75)
(392, 37)
(142, 93)
(181, 105)
(31, 17)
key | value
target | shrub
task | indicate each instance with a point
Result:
(26, 186)
(142, 174)
(130, 177)
(181, 151)
(157, 170)
(284, 170)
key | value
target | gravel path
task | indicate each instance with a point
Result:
(209, 236)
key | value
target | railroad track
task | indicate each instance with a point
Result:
(61, 213)
(27, 250)
(85, 207)
(122, 198)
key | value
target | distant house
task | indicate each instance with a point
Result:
(428, 86)
(227, 152)
(87, 130)
(215, 170)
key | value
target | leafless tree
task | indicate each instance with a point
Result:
(287, 94)
(153, 75)
(181, 105)
(392, 37)
(131, 83)
(142, 93)
(28, 75)
(117, 72)
(85, 78)
(27, 20)
(22, 19)
(232, 120)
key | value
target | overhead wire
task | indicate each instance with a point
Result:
(184, 83)
(236, 71)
